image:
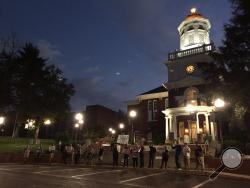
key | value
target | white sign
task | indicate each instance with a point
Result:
(123, 139)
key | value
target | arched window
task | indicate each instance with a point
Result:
(191, 95)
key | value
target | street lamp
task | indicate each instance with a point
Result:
(121, 126)
(2, 119)
(77, 125)
(110, 129)
(113, 131)
(219, 103)
(132, 114)
(79, 116)
(47, 122)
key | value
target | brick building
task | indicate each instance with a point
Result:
(181, 108)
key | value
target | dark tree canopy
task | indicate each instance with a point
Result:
(32, 87)
(230, 74)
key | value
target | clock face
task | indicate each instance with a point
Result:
(190, 69)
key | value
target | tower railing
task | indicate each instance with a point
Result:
(189, 52)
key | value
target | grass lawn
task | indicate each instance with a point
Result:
(17, 145)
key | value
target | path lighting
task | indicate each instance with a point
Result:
(190, 108)
(219, 103)
(47, 122)
(2, 119)
(121, 126)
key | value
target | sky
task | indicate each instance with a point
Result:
(111, 50)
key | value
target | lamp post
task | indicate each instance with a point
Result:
(132, 115)
(219, 104)
(121, 127)
(78, 123)
(2, 120)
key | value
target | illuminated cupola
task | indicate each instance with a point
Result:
(194, 31)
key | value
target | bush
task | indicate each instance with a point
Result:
(247, 148)
(63, 137)
(234, 143)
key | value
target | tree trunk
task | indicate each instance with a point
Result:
(37, 134)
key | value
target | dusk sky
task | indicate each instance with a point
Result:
(111, 50)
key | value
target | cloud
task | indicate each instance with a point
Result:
(92, 69)
(48, 50)
(91, 90)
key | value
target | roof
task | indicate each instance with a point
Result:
(193, 16)
(155, 90)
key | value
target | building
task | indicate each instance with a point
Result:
(101, 117)
(187, 111)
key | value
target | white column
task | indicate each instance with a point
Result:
(197, 123)
(170, 124)
(174, 125)
(166, 128)
(207, 123)
(212, 131)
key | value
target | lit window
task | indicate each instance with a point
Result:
(166, 103)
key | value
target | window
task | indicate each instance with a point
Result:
(154, 110)
(201, 38)
(166, 103)
(150, 110)
(191, 95)
(191, 39)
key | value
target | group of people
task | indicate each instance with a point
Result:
(39, 151)
(136, 152)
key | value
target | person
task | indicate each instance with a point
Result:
(77, 153)
(27, 152)
(186, 155)
(134, 153)
(64, 153)
(164, 159)
(115, 155)
(152, 152)
(141, 156)
(126, 155)
(39, 151)
(199, 156)
(178, 149)
(100, 154)
(52, 150)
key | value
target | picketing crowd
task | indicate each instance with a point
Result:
(137, 154)
(89, 154)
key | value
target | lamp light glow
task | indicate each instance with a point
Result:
(132, 113)
(219, 103)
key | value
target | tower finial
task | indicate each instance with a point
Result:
(193, 10)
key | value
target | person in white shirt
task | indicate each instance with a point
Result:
(186, 154)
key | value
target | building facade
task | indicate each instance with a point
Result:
(188, 112)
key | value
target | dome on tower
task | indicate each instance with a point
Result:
(194, 30)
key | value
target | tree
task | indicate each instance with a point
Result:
(230, 74)
(38, 90)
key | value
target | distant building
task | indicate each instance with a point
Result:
(98, 116)
(181, 110)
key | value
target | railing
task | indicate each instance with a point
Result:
(189, 52)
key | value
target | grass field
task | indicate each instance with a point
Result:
(17, 145)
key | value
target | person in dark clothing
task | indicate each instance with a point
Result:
(178, 150)
(64, 153)
(164, 155)
(77, 153)
(134, 152)
(115, 155)
(152, 152)
(141, 156)
(199, 156)
(126, 155)
(100, 154)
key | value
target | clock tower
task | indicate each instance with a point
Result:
(189, 114)
(195, 47)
